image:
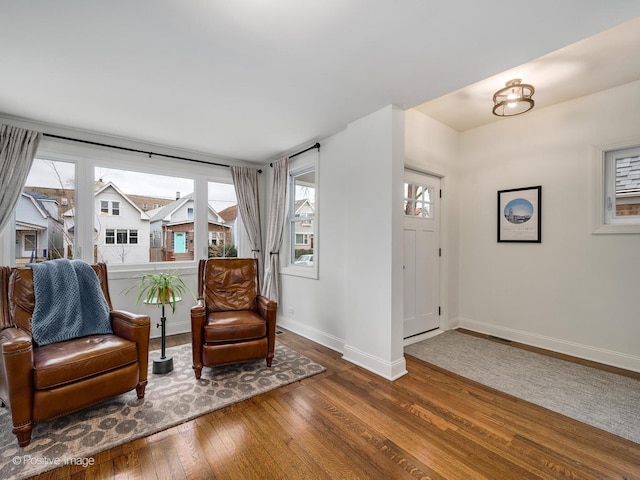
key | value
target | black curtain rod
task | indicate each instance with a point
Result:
(316, 145)
(137, 151)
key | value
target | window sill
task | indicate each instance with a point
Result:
(619, 228)
(304, 272)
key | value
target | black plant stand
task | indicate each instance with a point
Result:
(163, 364)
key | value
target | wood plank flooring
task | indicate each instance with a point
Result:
(348, 423)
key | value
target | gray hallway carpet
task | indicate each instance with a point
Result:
(604, 400)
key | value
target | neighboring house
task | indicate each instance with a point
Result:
(172, 230)
(121, 227)
(147, 203)
(304, 229)
(39, 231)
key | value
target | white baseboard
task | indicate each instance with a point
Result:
(587, 352)
(389, 370)
(329, 341)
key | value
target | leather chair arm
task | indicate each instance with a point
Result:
(267, 310)
(131, 318)
(14, 340)
(267, 307)
(135, 328)
(16, 374)
(198, 317)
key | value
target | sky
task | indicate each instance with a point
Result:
(43, 174)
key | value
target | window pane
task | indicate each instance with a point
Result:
(223, 220)
(418, 201)
(628, 186)
(44, 215)
(302, 217)
(305, 193)
(143, 235)
(303, 246)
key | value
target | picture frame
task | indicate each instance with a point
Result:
(520, 215)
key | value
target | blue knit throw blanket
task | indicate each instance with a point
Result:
(69, 302)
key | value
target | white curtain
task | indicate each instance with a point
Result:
(245, 181)
(17, 149)
(277, 217)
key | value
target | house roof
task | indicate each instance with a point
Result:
(163, 212)
(37, 199)
(102, 187)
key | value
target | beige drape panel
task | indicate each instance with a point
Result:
(17, 149)
(245, 181)
(277, 217)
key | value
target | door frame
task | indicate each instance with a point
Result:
(445, 323)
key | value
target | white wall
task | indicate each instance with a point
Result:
(355, 306)
(576, 292)
(433, 148)
(319, 305)
(375, 171)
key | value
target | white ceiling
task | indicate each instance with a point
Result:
(603, 61)
(251, 79)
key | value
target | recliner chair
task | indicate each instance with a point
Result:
(40, 383)
(231, 322)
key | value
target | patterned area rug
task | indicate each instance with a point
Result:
(170, 399)
(604, 400)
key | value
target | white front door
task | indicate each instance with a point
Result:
(421, 253)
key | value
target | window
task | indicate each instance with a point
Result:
(109, 223)
(418, 200)
(29, 242)
(223, 220)
(302, 221)
(618, 200)
(121, 237)
(133, 236)
(44, 215)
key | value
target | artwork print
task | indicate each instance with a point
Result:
(519, 218)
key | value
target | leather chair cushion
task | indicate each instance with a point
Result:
(230, 284)
(61, 363)
(224, 327)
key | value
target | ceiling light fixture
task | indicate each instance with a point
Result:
(513, 99)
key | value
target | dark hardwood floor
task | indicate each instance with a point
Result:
(348, 423)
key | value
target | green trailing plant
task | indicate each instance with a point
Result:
(162, 288)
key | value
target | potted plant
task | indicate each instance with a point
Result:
(163, 288)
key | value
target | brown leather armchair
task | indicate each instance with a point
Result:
(231, 322)
(40, 383)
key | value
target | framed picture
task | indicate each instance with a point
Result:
(519, 216)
